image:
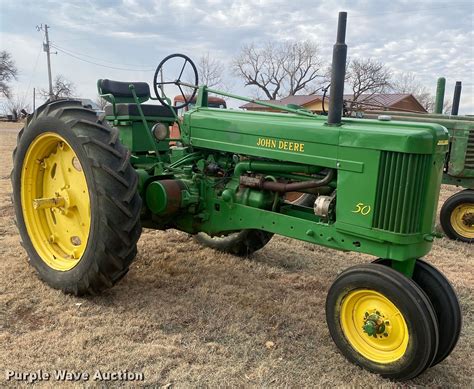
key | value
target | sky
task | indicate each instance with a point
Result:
(93, 38)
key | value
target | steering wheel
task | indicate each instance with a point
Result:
(178, 65)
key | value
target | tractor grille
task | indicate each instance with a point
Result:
(399, 197)
(469, 162)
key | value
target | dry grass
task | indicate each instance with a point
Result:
(189, 316)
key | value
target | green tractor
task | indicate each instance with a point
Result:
(84, 186)
(457, 213)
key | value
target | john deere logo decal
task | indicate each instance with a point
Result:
(281, 145)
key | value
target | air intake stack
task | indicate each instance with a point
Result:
(456, 98)
(440, 95)
(338, 72)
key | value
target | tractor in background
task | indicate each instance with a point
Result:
(457, 213)
(84, 187)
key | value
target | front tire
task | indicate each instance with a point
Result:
(457, 216)
(241, 243)
(445, 303)
(382, 321)
(75, 198)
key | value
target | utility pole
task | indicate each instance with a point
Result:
(34, 99)
(47, 49)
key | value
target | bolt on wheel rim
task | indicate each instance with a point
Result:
(462, 220)
(374, 326)
(55, 201)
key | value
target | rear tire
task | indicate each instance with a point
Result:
(457, 216)
(242, 243)
(382, 321)
(104, 212)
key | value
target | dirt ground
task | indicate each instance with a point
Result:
(188, 316)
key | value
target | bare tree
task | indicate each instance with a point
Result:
(210, 71)
(447, 106)
(16, 107)
(428, 101)
(408, 83)
(366, 77)
(257, 67)
(62, 87)
(303, 66)
(279, 69)
(8, 72)
(101, 102)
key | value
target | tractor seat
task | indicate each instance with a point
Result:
(132, 110)
(121, 89)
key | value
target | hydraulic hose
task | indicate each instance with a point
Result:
(281, 187)
(298, 186)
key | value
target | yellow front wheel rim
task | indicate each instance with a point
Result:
(55, 201)
(374, 326)
(462, 220)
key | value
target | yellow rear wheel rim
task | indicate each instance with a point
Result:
(462, 220)
(361, 308)
(55, 201)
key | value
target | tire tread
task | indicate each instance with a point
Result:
(117, 195)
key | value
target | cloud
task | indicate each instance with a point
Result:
(426, 38)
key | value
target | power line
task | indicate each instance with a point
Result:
(90, 56)
(99, 64)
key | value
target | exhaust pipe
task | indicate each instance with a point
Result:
(338, 73)
(440, 87)
(456, 98)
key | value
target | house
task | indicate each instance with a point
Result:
(378, 101)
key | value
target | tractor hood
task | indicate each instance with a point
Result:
(291, 133)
